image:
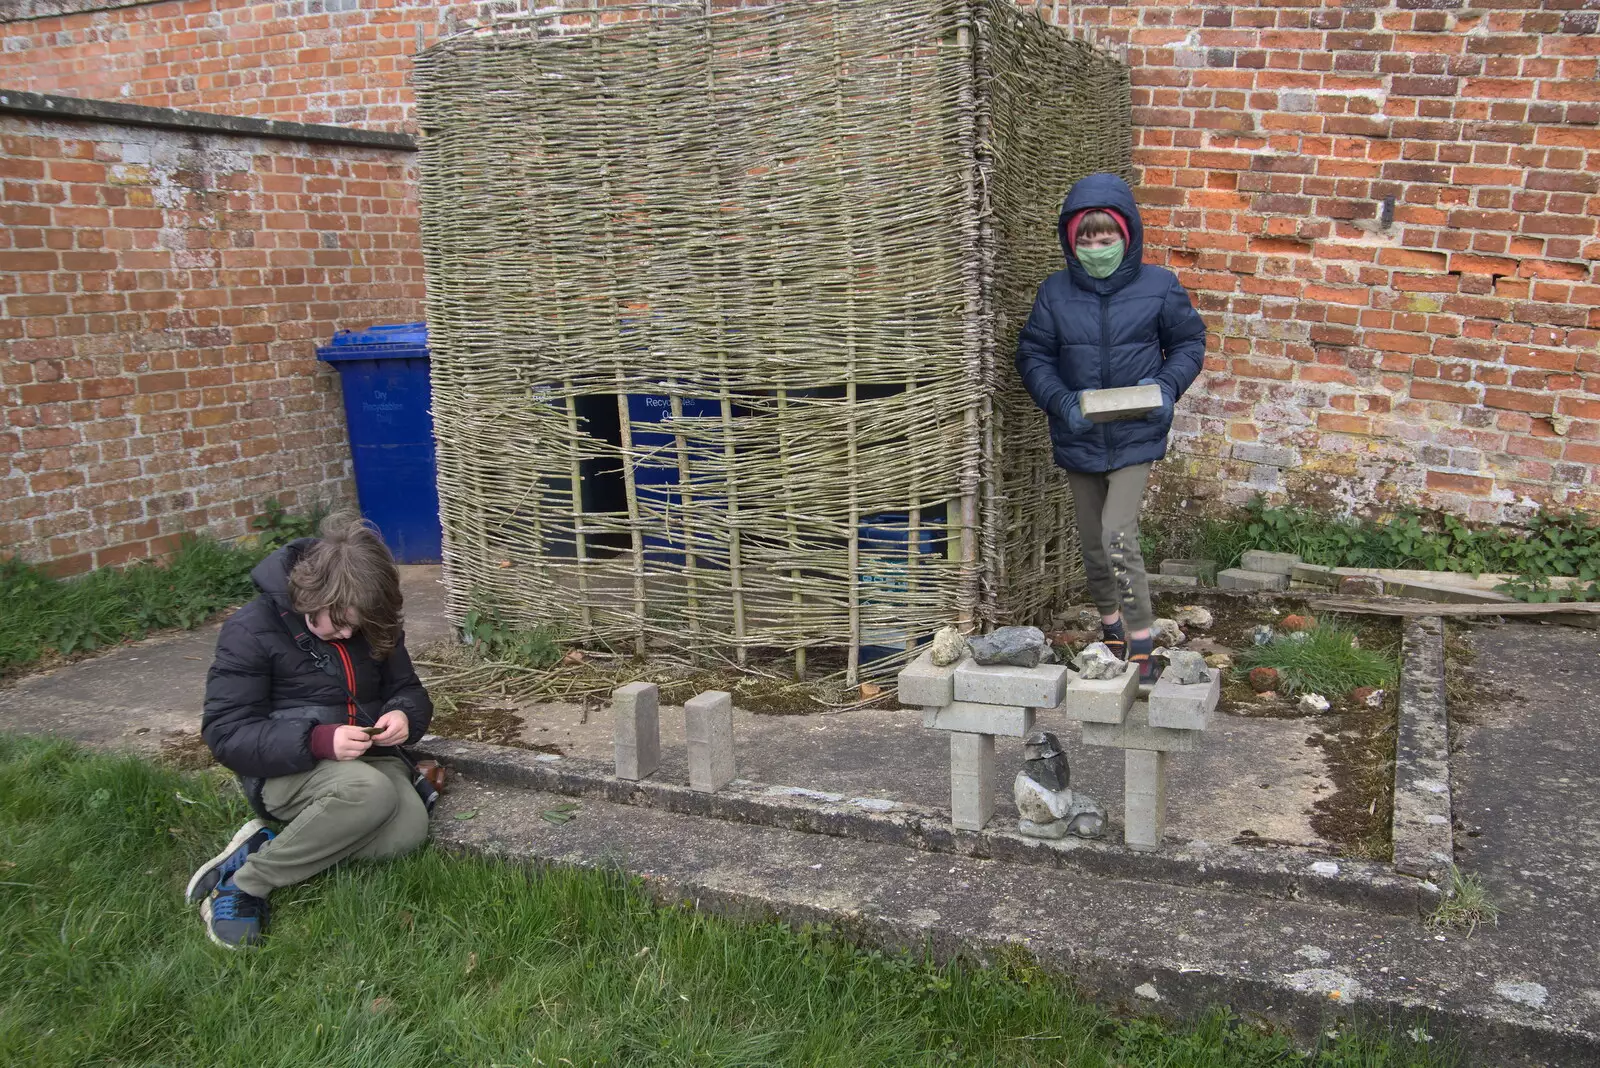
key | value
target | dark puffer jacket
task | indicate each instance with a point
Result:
(265, 691)
(1100, 333)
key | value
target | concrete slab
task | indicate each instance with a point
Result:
(1238, 578)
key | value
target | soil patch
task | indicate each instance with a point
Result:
(185, 750)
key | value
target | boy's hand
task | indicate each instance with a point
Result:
(1077, 423)
(395, 728)
(1162, 414)
(350, 743)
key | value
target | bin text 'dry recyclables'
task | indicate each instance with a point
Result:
(387, 400)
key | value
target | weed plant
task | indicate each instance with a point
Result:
(1327, 660)
(433, 959)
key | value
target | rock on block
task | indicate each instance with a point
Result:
(1036, 687)
(1238, 578)
(636, 733)
(971, 780)
(1272, 563)
(1125, 402)
(1135, 732)
(1184, 707)
(969, 718)
(1101, 700)
(708, 725)
(923, 682)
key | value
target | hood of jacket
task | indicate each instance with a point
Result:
(1111, 192)
(271, 575)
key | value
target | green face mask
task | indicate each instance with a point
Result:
(1100, 262)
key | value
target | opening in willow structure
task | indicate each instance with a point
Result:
(722, 307)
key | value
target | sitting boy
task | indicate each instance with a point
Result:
(309, 695)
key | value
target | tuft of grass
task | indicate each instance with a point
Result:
(1466, 904)
(456, 961)
(1326, 661)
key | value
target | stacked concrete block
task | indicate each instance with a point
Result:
(636, 733)
(708, 727)
(976, 703)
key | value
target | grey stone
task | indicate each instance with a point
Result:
(1004, 684)
(636, 731)
(1194, 615)
(1167, 632)
(1203, 570)
(1186, 668)
(1124, 402)
(1176, 705)
(949, 646)
(1238, 578)
(1261, 634)
(1038, 802)
(1135, 732)
(1096, 661)
(1102, 700)
(1272, 563)
(922, 682)
(1018, 646)
(1045, 762)
(1053, 830)
(1144, 800)
(708, 728)
(972, 718)
(971, 780)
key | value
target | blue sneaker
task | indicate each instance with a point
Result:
(234, 919)
(220, 868)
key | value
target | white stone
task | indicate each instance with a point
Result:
(1193, 615)
(971, 780)
(1530, 994)
(1097, 661)
(1167, 632)
(1314, 703)
(1002, 684)
(708, 727)
(1177, 706)
(922, 682)
(1038, 803)
(1012, 721)
(1375, 699)
(1325, 867)
(1101, 700)
(948, 647)
(636, 730)
(1147, 991)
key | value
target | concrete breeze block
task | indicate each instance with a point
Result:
(922, 682)
(969, 718)
(1237, 578)
(1101, 700)
(1037, 687)
(1204, 570)
(1124, 402)
(1314, 574)
(1272, 563)
(1144, 799)
(1135, 732)
(636, 730)
(1184, 707)
(708, 725)
(971, 780)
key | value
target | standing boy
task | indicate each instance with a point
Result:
(1110, 320)
(309, 695)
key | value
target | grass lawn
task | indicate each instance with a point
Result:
(434, 960)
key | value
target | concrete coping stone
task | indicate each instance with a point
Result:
(1260, 872)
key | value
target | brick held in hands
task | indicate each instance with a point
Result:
(1125, 402)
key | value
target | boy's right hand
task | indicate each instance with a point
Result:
(350, 743)
(1077, 423)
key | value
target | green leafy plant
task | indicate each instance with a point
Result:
(277, 527)
(536, 648)
(1326, 660)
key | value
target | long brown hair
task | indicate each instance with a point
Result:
(351, 573)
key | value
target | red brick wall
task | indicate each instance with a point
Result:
(1445, 354)
(163, 296)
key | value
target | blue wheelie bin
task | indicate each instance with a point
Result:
(387, 396)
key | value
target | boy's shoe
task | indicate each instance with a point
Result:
(234, 919)
(220, 868)
(1149, 668)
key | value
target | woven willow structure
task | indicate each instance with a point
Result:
(722, 309)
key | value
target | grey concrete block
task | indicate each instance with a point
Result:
(1443, 592)
(1124, 402)
(1144, 800)
(971, 780)
(1272, 563)
(1036, 687)
(636, 729)
(1238, 578)
(1101, 700)
(1204, 570)
(708, 726)
(1314, 574)
(1172, 582)
(1179, 707)
(1009, 720)
(923, 682)
(1135, 732)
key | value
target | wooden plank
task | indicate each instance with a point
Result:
(1432, 608)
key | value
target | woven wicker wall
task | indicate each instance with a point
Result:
(713, 305)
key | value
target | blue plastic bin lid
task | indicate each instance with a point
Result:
(391, 340)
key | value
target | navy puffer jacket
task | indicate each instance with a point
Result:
(1100, 333)
(267, 690)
